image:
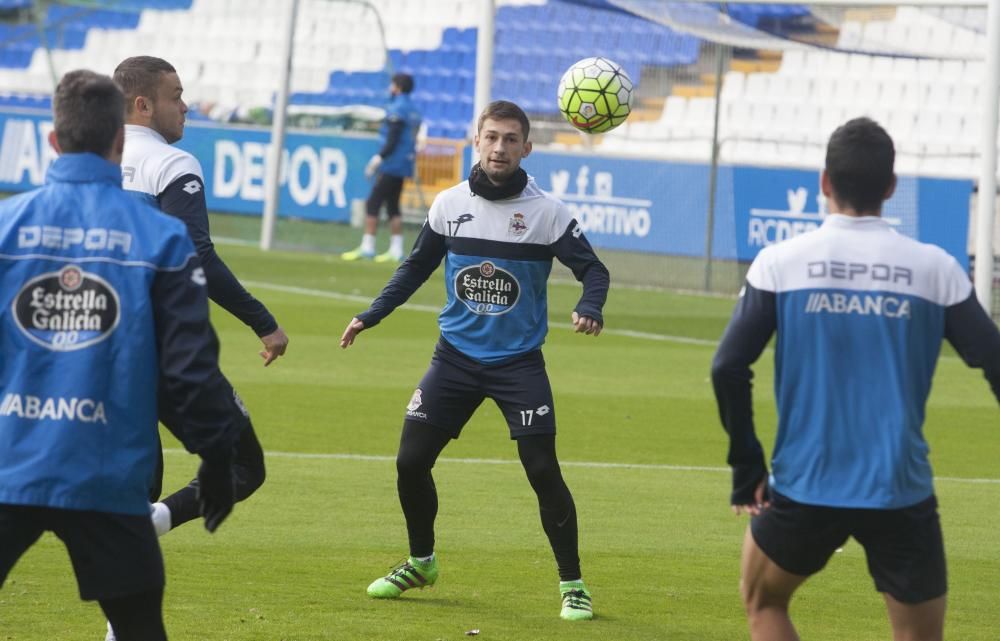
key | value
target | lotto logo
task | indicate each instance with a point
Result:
(528, 416)
(192, 187)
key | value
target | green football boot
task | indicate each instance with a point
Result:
(411, 574)
(388, 257)
(357, 254)
(576, 605)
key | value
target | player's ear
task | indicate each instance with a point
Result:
(892, 188)
(142, 105)
(54, 141)
(825, 185)
(527, 149)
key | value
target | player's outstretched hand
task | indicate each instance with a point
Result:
(215, 491)
(373, 164)
(275, 345)
(351, 332)
(760, 501)
(587, 325)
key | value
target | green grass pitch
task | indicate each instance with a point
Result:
(642, 451)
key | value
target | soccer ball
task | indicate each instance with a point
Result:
(595, 95)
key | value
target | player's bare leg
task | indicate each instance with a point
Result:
(766, 590)
(917, 622)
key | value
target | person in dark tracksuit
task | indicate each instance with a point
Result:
(390, 167)
(102, 303)
(170, 179)
(860, 312)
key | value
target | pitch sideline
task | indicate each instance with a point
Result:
(365, 300)
(628, 333)
(379, 458)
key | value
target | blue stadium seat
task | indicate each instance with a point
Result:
(66, 27)
(437, 129)
(338, 79)
(467, 38)
(538, 55)
(754, 14)
(15, 58)
(396, 58)
(451, 37)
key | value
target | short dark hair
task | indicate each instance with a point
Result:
(504, 110)
(140, 76)
(88, 112)
(404, 81)
(859, 162)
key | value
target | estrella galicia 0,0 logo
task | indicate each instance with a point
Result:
(487, 289)
(67, 310)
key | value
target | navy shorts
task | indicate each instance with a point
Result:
(386, 191)
(455, 385)
(904, 547)
(113, 555)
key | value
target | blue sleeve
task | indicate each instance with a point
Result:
(753, 323)
(976, 338)
(573, 250)
(428, 250)
(196, 402)
(185, 199)
(394, 133)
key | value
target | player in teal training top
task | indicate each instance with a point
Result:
(860, 312)
(498, 233)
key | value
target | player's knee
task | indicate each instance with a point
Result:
(757, 598)
(249, 478)
(410, 465)
(249, 471)
(543, 473)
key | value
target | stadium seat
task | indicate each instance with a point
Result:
(851, 35)
(793, 62)
(881, 67)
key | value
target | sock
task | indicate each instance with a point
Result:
(368, 244)
(424, 560)
(160, 515)
(396, 245)
(183, 505)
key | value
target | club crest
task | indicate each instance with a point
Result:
(415, 401)
(517, 227)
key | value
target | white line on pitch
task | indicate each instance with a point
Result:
(356, 298)
(554, 278)
(380, 458)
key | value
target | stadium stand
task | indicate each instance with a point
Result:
(918, 32)
(228, 51)
(772, 111)
(784, 116)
